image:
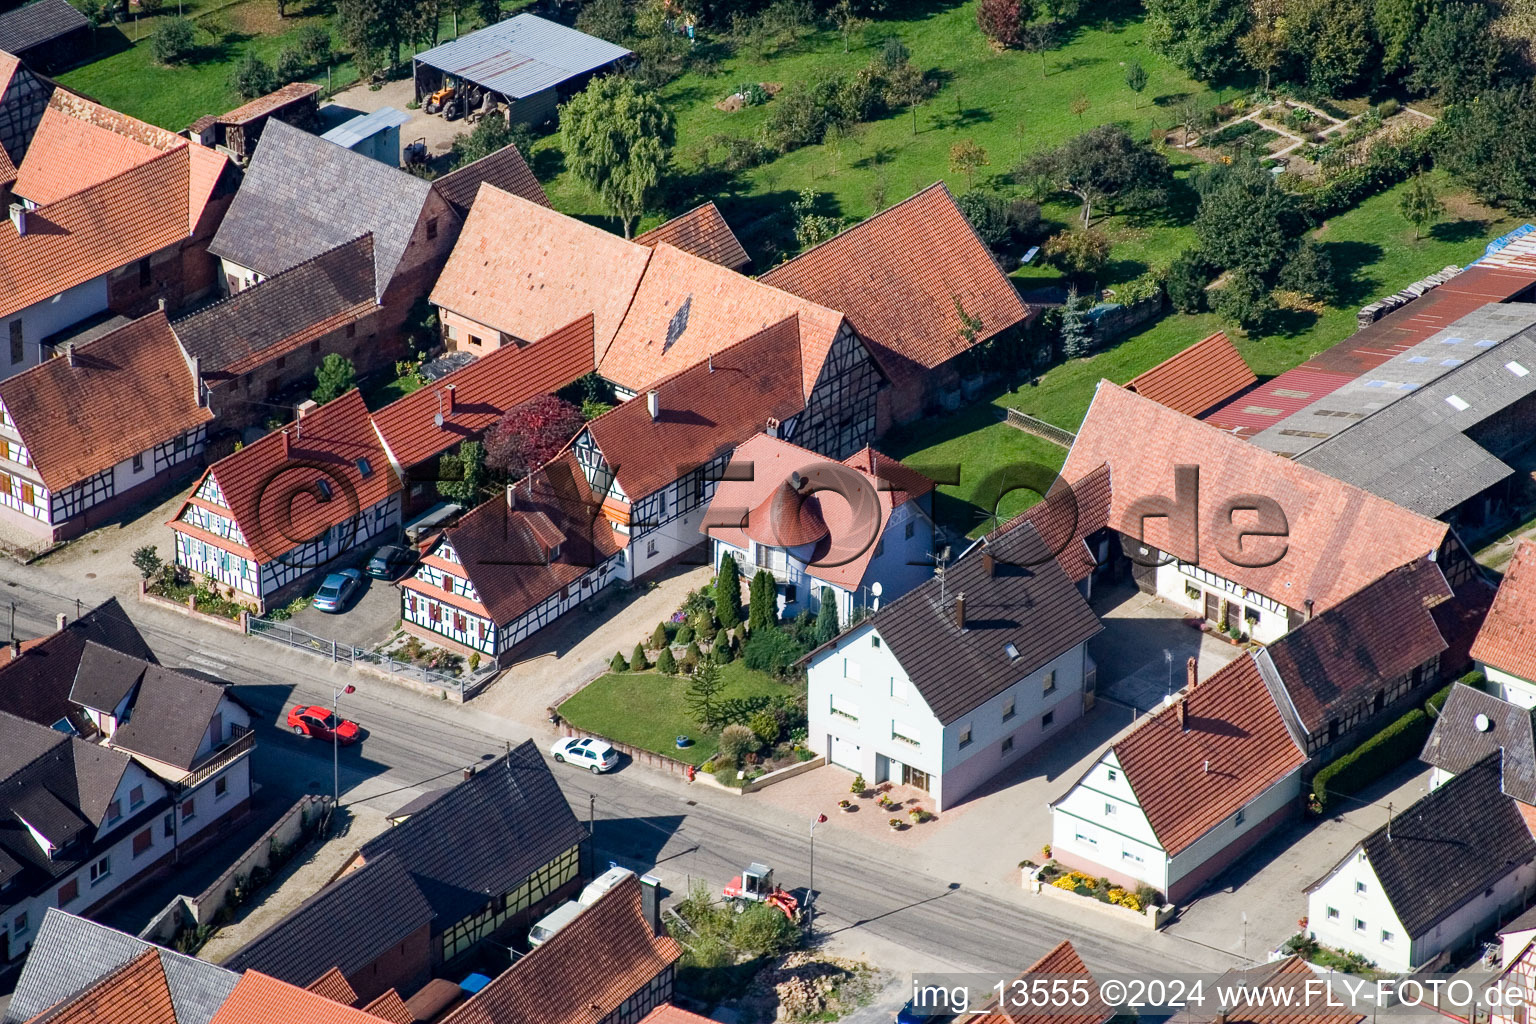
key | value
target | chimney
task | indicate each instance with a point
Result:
(448, 400)
(960, 610)
(305, 407)
(19, 217)
(197, 382)
(69, 353)
(988, 563)
(511, 495)
(1192, 672)
(1308, 603)
(771, 428)
(61, 621)
(1184, 714)
(287, 444)
(653, 403)
(469, 772)
(15, 647)
(160, 302)
(650, 902)
(711, 362)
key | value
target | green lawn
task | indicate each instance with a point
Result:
(1371, 243)
(998, 99)
(650, 710)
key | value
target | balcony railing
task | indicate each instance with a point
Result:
(242, 743)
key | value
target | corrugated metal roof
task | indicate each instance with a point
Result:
(365, 126)
(522, 56)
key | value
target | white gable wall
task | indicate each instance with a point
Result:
(1099, 821)
(1510, 686)
(49, 316)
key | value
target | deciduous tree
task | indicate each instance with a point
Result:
(1246, 221)
(1491, 145)
(964, 157)
(462, 474)
(1199, 36)
(1002, 21)
(530, 434)
(1420, 205)
(1104, 164)
(1136, 77)
(617, 141)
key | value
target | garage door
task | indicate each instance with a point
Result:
(845, 753)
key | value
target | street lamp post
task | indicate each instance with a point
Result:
(336, 741)
(810, 891)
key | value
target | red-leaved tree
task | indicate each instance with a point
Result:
(1001, 21)
(529, 435)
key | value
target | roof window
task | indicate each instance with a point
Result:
(1516, 369)
(1012, 651)
(322, 490)
(364, 467)
(1456, 403)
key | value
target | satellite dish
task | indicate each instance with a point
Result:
(876, 589)
(1482, 723)
(437, 418)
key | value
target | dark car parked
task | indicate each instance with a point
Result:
(391, 562)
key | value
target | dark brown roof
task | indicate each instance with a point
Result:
(116, 397)
(703, 232)
(282, 313)
(506, 169)
(344, 927)
(504, 551)
(1205, 374)
(898, 278)
(171, 716)
(1027, 604)
(482, 392)
(585, 972)
(37, 685)
(705, 411)
(1351, 652)
(39, 22)
(272, 487)
(1061, 962)
(1236, 746)
(1339, 537)
(1448, 847)
(1473, 724)
(1067, 517)
(1507, 640)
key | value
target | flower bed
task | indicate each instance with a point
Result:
(1099, 889)
(1053, 879)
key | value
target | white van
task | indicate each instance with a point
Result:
(602, 883)
(552, 922)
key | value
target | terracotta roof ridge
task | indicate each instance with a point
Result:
(1157, 715)
(154, 161)
(280, 274)
(871, 218)
(671, 377)
(629, 304)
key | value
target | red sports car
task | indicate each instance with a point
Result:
(318, 723)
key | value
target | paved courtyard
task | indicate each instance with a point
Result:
(1146, 641)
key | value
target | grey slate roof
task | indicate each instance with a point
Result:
(505, 168)
(302, 196)
(104, 677)
(523, 55)
(39, 22)
(1448, 847)
(1028, 602)
(37, 685)
(1420, 451)
(347, 925)
(69, 954)
(256, 319)
(484, 836)
(1456, 743)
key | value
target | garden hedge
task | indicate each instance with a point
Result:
(1374, 758)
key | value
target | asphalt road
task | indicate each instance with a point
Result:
(868, 893)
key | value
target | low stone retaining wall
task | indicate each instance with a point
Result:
(1151, 917)
(675, 767)
(189, 609)
(785, 773)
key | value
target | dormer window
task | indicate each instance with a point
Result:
(1012, 651)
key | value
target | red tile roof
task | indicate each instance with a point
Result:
(262, 106)
(1207, 373)
(669, 1014)
(703, 232)
(1291, 997)
(482, 392)
(527, 270)
(1061, 962)
(686, 308)
(389, 1006)
(845, 545)
(504, 551)
(1507, 640)
(68, 154)
(1066, 517)
(582, 974)
(334, 986)
(90, 233)
(703, 411)
(136, 993)
(1339, 537)
(137, 372)
(208, 166)
(275, 496)
(259, 999)
(898, 275)
(1236, 746)
(7, 169)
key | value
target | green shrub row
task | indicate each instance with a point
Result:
(1374, 758)
(1389, 163)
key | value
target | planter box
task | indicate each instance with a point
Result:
(1150, 917)
(787, 772)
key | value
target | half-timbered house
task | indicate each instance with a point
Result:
(491, 855)
(108, 423)
(266, 519)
